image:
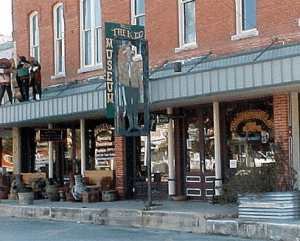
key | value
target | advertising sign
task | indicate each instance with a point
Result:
(49, 135)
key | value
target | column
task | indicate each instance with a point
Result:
(294, 105)
(281, 110)
(171, 155)
(217, 145)
(1, 151)
(83, 155)
(120, 166)
(16, 150)
(50, 171)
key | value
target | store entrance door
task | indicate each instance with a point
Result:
(200, 162)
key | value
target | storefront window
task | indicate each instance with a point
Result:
(250, 134)
(7, 153)
(209, 149)
(42, 156)
(159, 151)
(193, 146)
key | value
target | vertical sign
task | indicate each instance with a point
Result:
(120, 31)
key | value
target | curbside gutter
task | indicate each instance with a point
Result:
(175, 221)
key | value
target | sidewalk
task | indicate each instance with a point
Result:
(187, 216)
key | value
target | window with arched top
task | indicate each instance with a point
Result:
(34, 36)
(59, 40)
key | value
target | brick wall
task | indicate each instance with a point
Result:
(215, 24)
(281, 119)
(282, 135)
(120, 165)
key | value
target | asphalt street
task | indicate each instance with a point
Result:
(13, 229)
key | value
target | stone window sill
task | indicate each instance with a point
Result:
(245, 34)
(90, 68)
(186, 47)
(58, 76)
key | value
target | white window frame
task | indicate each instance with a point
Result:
(37, 37)
(182, 45)
(240, 33)
(135, 16)
(62, 73)
(94, 65)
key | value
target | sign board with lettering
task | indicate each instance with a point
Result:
(162, 119)
(49, 135)
(113, 31)
(127, 78)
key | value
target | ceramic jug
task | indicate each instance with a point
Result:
(78, 188)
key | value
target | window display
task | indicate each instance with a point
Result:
(251, 133)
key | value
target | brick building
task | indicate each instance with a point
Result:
(227, 71)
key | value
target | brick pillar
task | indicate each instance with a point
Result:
(120, 165)
(282, 135)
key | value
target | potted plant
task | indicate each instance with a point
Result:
(26, 196)
(266, 191)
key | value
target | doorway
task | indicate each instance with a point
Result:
(200, 155)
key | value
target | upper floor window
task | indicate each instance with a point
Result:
(137, 18)
(34, 36)
(59, 40)
(245, 19)
(187, 25)
(91, 35)
(138, 12)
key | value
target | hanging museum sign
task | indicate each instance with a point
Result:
(112, 31)
(127, 77)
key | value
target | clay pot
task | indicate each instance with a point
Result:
(52, 192)
(26, 198)
(78, 188)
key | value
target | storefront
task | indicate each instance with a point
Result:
(227, 113)
(247, 140)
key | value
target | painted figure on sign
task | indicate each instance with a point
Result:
(6, 69)
(130, 80)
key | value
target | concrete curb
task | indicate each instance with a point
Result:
(184, 222)
(176, 221)
(255, 229)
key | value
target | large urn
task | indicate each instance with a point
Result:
(78, 188)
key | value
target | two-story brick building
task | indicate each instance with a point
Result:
(227, 71)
